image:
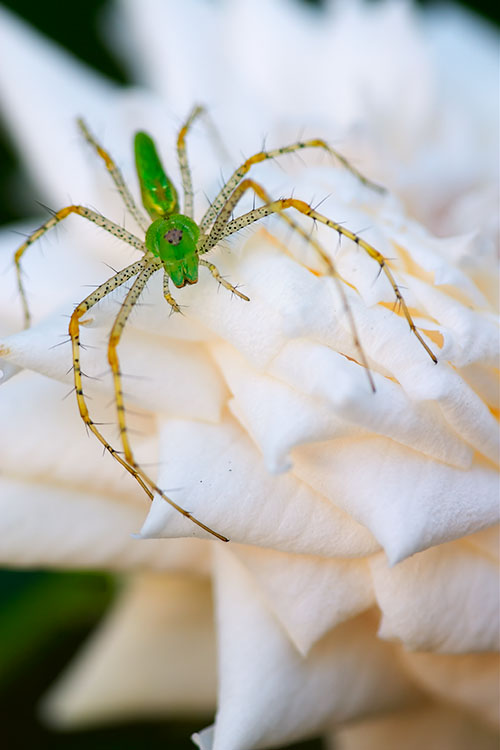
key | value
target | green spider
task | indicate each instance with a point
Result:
(175, 243)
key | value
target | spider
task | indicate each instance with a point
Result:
(175, 243)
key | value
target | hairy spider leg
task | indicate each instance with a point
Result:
(187, 183)
(283, 204)
(221, 280)
(166, 293)
(143, 269)
(126, 307)
(222, 228)
(243, 169)
(197, 111)
(92, 299)
(115, 229)
(116, 176)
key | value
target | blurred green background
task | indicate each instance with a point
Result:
(46, 615)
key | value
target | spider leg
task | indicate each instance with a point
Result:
(114, 339)
(187, 183)
(74, 331)
(243, 169)
(143, 268)
(218, 231)
(115, 229)
(166, 293)
(217, 276)
(116, 176)
(219, 228)
(283, 204)
(223, 228)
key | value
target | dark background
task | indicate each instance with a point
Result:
(47, 615)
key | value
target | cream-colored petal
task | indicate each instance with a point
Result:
(301, 306)
(11, 316)
(48, 442)
(162, 375)
(441, 259)
(445, 599)
(219, 476)
(154, 655)
(469, 681)
(63, 503)
(276, 415)
(472, 333)
(45, 525)
(435, 727)
(7, 370)
(309, 595)
(269, 695)
(409, 502)
(487, 542)
(328, 376)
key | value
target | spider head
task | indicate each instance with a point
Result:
(174, 241)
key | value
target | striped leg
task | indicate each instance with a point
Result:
(187, 183)
(304, 208)
(222, 229)
(244, 168)
(115, 229)
(219, 228)
(116, 176)
(196, 112)
(74, 331)
(221, 280)
(168, 297)
(144, 267)
(114, 339)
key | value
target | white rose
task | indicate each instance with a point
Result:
(362, 573)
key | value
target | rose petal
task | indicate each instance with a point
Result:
(469, 681)
(7, 370)
(431, 601)
(167, 376)
(277, 416)
(408, 502)
(51, 278)
(153, 655)
(318, 371)
(57, 508)
(472, 334)
(64, 527)
(48, 442)
(432, 727)
(229, 489)
(269, 695)
(487, 542)
(309, 595)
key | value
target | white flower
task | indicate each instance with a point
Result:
(362, 570)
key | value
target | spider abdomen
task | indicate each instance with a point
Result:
(158, 193)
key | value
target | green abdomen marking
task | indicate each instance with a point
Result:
(159, 196)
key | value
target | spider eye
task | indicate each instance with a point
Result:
(174, 236)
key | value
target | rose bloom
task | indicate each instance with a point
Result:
(362, 573)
